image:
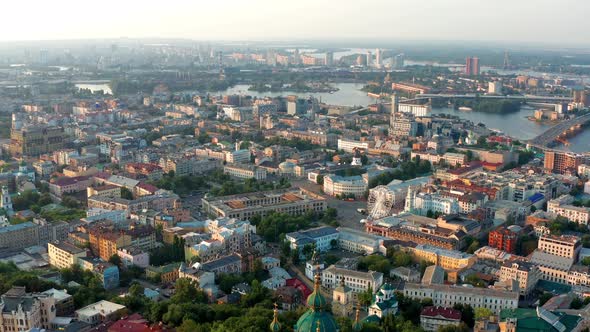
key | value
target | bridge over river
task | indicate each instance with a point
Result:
(525, 98)
(544, 140)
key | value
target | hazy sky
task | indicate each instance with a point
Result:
(553, 21)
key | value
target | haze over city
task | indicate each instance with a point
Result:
(529, 21)
(295, 166)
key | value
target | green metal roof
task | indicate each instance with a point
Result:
(527, 320)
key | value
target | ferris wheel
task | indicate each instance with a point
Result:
(380, 202)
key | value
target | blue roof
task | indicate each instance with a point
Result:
(536, 197)
(188, 224)
(16, 227)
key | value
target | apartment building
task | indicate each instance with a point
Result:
(108, 191)
(562, 162)
(106, 272)
(150, 172)
(402, 126)
(525, 273)
(563, 246)
(562, 206)
(235, 235)
(22, 311)
(36, 140)
(19, 236)
(105, 242)
(63, 255)
(503, 239)
(421, 203)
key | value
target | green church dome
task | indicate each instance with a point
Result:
(316, 319)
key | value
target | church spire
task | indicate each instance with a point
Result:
(357, 326)
(275, 326)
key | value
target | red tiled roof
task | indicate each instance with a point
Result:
(143, 166)
(102, 175)
(448, 313)
(133, 323)
(147, 187)
(68, 181)
(296, 283)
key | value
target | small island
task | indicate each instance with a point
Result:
(299, 87)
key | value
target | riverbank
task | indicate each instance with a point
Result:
(543, 122)
(293, 90)
(488, 106)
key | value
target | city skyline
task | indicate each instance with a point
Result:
(263, 20)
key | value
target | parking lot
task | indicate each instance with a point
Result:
(347, 210)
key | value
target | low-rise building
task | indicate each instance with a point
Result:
(228, 264)
(322, 237)
(244, 206)
(445, 258)
(244, 171)
(166, 273)
(134, 256)
(64, 302)
(384, 302)
(101, 311)
(357, 281)
(433, 318)
(433, 274)
(147, 171)
(357, 241)
(449, 295)
(405, 273)
(107, 273)
(340, 186)
(200, 277)
(65, 185)
(423, 203)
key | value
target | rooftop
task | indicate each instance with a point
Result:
(68, 247)
(101, 307)
(353, 273)
(17, 227)
(448, 313)
(487, 292)
(217, 263)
